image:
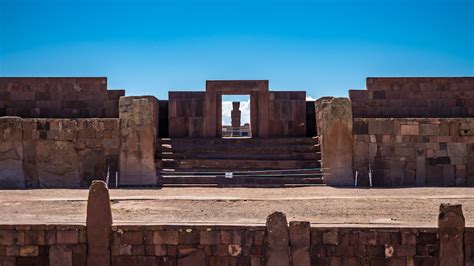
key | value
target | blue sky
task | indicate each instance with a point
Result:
(151, 47)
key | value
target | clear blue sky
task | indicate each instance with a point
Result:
(151, 47)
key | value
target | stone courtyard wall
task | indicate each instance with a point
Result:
(414, 97)
(58, 245)
(415, 152)
(57, 152)
(58, 98)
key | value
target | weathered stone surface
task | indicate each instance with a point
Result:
(451, 226)
(57, 164)
(334, 122)
(60, 255)
(300, 243)
(277, 250)
(11, 153)
(99, 222)
(138, 131)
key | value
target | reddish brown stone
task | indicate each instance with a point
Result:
(99, 222)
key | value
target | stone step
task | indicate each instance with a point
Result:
(241, 141)
(239, 164)
(247, 156)
(244, 181)
(232, 148)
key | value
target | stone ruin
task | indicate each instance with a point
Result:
(66, 132)
(277, 242)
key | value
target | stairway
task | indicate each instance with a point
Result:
(252, 161)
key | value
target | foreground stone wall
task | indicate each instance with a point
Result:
(409, 151)
(57, 152)
(58, 245)
(414, 97)
(277, 243)
(58, 98)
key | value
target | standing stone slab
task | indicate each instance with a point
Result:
(334, 122)
(277, 251)
(11, 153)
(300, 236)
(451, 226)
(138, 132)
(99, 225)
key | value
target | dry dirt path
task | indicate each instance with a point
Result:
(320, 205)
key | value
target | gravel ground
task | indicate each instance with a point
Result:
(325, 206)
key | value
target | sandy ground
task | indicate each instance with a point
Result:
(320, 205)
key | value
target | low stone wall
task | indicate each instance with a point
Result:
(277, 243)
(58, 245)
(248, 245)
(57, 152)
(416, 151)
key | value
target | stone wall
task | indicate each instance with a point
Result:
(414, 97)
(57, 152)
(277, 243)
(287, 113)
(58, 98)
(415, 152)
(55, 245)
(186, 114)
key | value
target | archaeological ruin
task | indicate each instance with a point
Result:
(66, 132)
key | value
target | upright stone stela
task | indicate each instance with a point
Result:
(235, 116)
(138, 130)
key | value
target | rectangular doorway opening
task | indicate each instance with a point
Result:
(236, 116)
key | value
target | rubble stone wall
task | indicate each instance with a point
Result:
(58, 98)
(43, 245)
(414, 97)
(415, 151)
(57, 152)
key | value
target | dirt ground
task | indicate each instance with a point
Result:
(320, 205)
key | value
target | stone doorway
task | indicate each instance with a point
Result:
(235, 116)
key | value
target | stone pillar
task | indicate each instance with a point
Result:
(276, 253)
(138, 133)
(451, 226)
(300, 236)
(11, 153)
(99, 225)
(334, 122)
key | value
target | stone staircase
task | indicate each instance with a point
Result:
(252, 161)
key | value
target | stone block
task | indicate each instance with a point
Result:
(300, 243)
(99, 223)
(60, 255)
(410, 130)
(449, 175)
(457, 149)
(277, 240)
(11, 153)
(138, 130)
(429, 129)
(166, 237)
(67, 237)
(28, 251)
(210, 238)
(334, 122)
(451, 226)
